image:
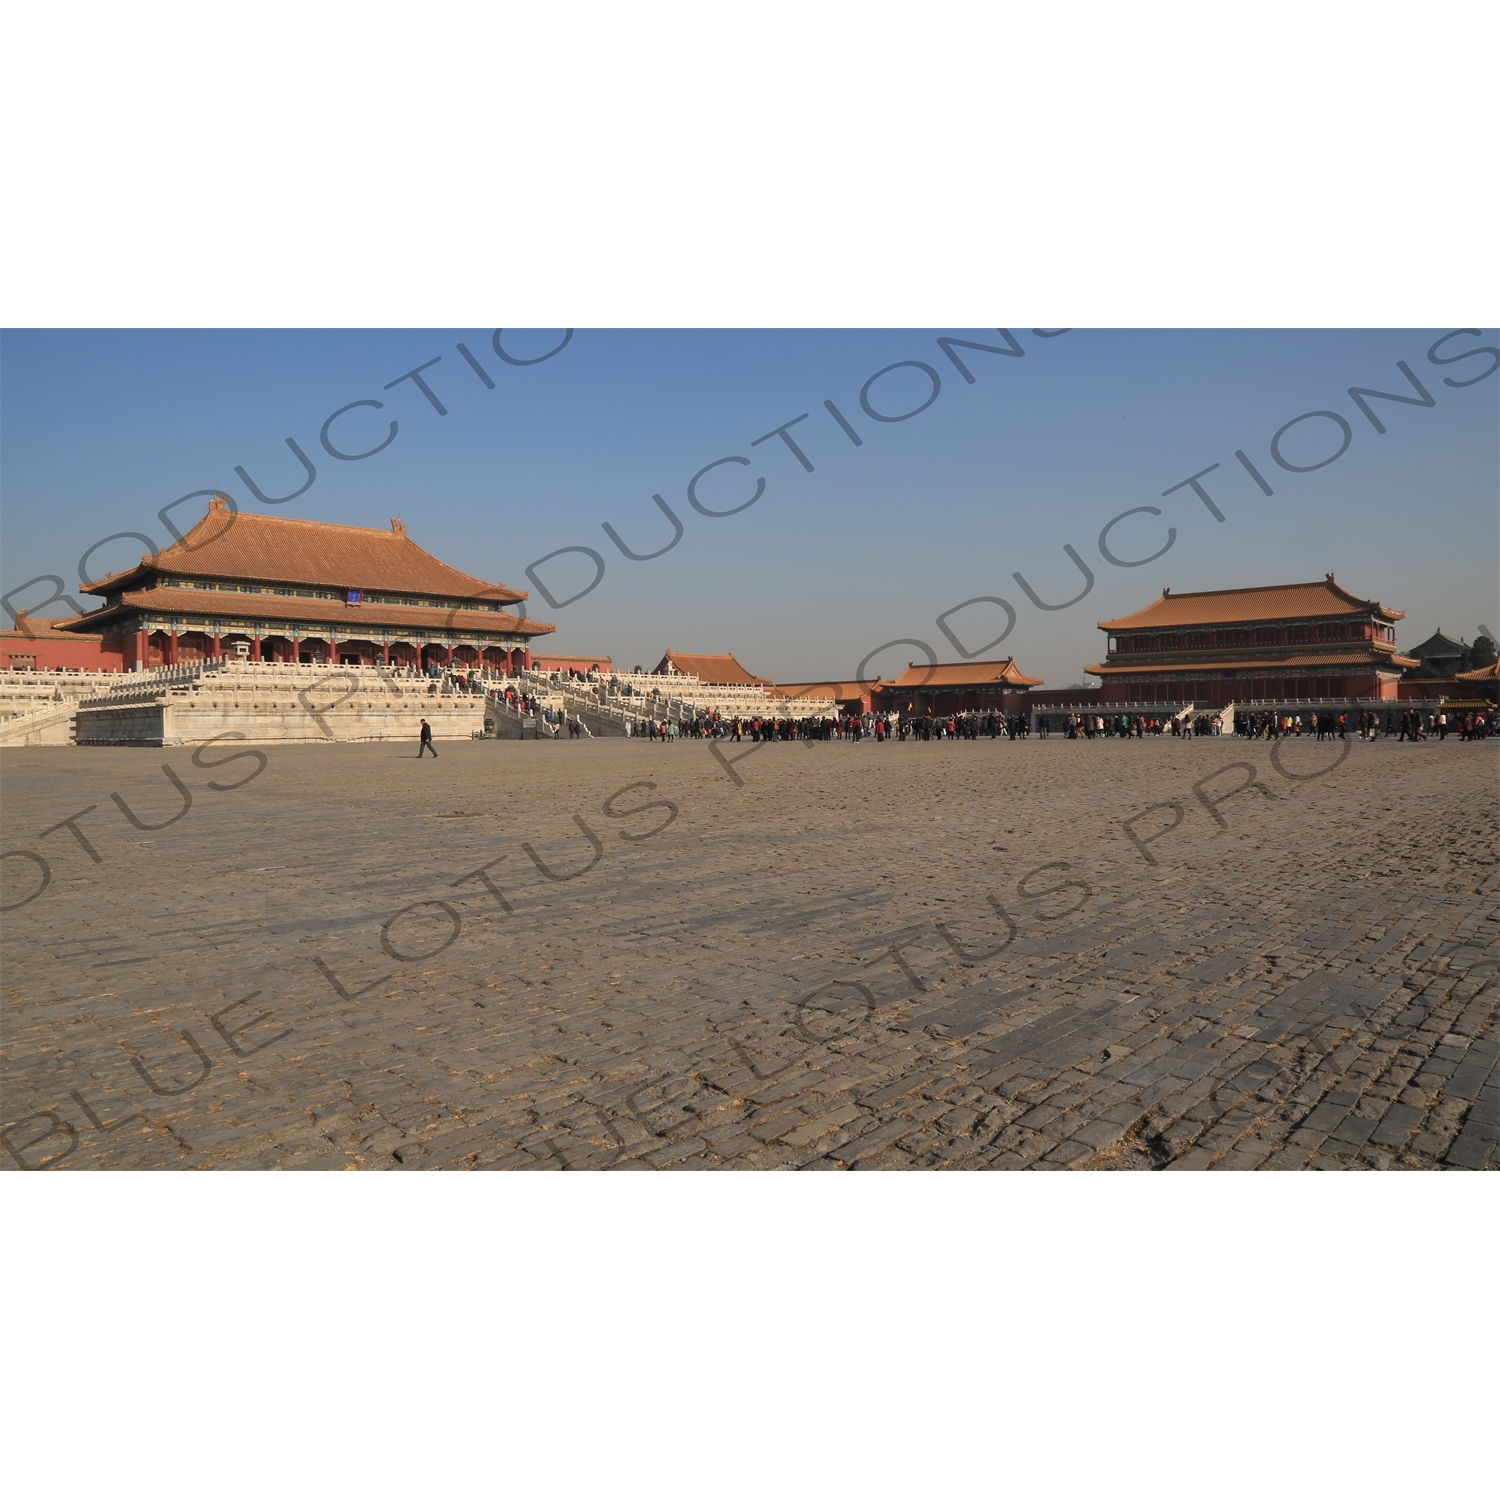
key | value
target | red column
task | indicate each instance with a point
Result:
(143, 648)
(218, 648)
(255, 648)
(526, 660)
(296, 648)
(172, 649)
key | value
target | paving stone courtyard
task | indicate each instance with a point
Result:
(1108, 955)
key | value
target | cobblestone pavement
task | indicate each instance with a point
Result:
(626, 955)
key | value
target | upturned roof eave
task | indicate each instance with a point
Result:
(1480, 674)
(88, 623)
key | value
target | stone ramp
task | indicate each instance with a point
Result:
(47, 724)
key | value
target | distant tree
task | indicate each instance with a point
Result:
(1480, 654)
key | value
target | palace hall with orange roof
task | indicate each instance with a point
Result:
(959, 687)
(722, 670)
(1291, 640)
(270, 588)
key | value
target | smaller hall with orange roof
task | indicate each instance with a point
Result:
(271, 588)
(1289, 640)
(958, 687)
(713, 671)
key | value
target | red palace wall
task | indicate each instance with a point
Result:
(46, 650)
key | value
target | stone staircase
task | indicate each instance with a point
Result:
(503, 722)
(509, 723)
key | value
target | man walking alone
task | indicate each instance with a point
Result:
(426, 740)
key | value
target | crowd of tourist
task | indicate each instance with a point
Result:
(1418, 722)
(847, 729)
(1411, 724)
(759, 729)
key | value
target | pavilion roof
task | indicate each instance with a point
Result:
(972, 674)
(351, 619)
(1437, 645)
(1490, 673)
(229, 544)
(714, 671)
(1281, 601)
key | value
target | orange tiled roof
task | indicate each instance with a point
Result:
(827, 689)
(549, 661)
(1281, 601)
(716, 671)
(919, 676)
(277, 549)
(28, 629)
(352, 619)
(1261, 664)
(1483, 674)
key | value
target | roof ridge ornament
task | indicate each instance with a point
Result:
(398, 525)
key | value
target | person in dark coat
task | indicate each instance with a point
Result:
(426, 740)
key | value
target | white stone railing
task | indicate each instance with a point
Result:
(53, 675)
(226, 676)
(17, 699)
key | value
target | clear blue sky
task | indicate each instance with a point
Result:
(99, 430)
